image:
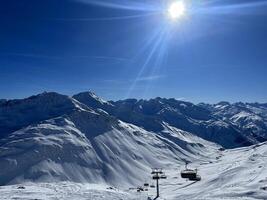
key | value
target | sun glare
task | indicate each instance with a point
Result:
(176, 10)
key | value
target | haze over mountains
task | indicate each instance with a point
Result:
(52, 137)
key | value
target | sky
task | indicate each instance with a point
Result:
(131, 49)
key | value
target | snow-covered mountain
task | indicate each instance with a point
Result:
(16, 114)
(90, 98)
(249, 118)
(77, 143)
(52, 137)
(226, 175)
(206, 121)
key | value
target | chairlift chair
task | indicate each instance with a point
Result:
(146, 184)
(198, 178)
(163, 176)
(189, 173)
(155, 177)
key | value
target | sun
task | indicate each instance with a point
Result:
(176, 10)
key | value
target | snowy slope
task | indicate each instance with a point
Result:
(150, 114)
(15, 114)
(232, 174)
(66, 144)
(226, 175)
(90, 98)
(86, 146)
(66, 191)
(249, 118)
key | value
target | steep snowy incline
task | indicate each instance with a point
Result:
(86, 146)
(63, 143)
(226, 175)
(150, 114)
(249, 118)
(90, 98)
(15, 114)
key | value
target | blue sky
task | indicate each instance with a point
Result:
(125, 48)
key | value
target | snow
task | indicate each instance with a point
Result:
(93, 147)
(16, 114)
(245, 116)
(90, 98)
(57, 147)
(183, 105)
(66, 191)
(231, 174)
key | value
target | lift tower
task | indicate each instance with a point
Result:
(157, 174)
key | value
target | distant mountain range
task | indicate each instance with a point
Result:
(230, 125)
(84, 138)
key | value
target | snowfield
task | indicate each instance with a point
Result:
(230, 174)
(65, 191)
(57, 147)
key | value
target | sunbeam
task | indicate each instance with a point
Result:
(127, 17)
(236, 8)
(159, 63)
(138, 5)
(156, 41)
(170, 13)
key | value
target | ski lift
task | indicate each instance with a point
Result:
(155, 177)
(146, 184)
(191, 174)
(198, 178)
(157, 171)
(163, 176)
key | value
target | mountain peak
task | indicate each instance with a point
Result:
(223, 103)
(91, 99)
(19, 113)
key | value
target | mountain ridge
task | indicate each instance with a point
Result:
(99, 147)
(201, 119)
(246, 121)
(52, 137)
